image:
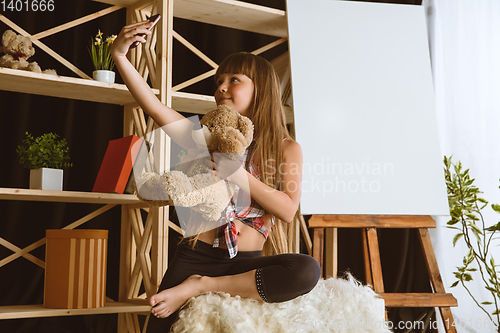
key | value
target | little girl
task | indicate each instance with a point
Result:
(229, 258)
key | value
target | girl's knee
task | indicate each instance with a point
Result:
(311, 271)
(303, 273)
(307, 272)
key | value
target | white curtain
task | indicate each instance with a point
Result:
(464, 39)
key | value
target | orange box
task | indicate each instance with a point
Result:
(75, 269)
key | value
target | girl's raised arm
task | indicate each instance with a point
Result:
(175, 125)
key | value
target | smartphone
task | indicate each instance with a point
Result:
(154, 19)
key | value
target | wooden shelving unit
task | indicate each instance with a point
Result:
(144, 248)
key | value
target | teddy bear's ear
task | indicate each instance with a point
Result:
(245, 126)
(8, 37)
(207, 119)
(225, 110)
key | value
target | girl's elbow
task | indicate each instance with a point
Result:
(292, 211)
(287, 210)
(285, 216)
(289, 215)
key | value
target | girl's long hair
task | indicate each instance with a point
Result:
(270, 130)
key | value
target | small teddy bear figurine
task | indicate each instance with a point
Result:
(224, 130)
(18, 49)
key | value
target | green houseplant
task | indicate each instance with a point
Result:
(100, 53)
(466, 216)
(45, 156)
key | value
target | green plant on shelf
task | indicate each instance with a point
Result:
(466, 217)
(100, 52)
(45, 151)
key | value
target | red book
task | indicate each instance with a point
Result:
(117, 165)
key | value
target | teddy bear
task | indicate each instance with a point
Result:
(223, 130)
(18, 49)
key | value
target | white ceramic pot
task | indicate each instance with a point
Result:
(46, 179)
(104, 76)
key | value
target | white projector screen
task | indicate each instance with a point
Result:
(364, 109)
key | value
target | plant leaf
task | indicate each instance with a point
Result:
(495, 227)
(457, 237)
(491, 289)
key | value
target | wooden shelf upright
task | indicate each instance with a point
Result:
(373, 270)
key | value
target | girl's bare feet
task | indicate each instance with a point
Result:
(170, 300)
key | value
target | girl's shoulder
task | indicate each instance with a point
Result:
(291, 148)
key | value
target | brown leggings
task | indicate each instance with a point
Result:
(278, 278)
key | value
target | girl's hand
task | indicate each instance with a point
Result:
(224, 167)
(127, 37)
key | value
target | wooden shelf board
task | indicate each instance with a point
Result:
(67, 196)
(35, 311)
(64, 87)
(192, 103)
(227, 13)
(201, 104)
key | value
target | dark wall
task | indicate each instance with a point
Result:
(88, 127)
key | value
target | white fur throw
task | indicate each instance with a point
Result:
(334, 305)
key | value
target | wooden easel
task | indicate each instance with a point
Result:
(373, 269)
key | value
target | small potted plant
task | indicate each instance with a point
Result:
(45, 156)
(100, 52)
